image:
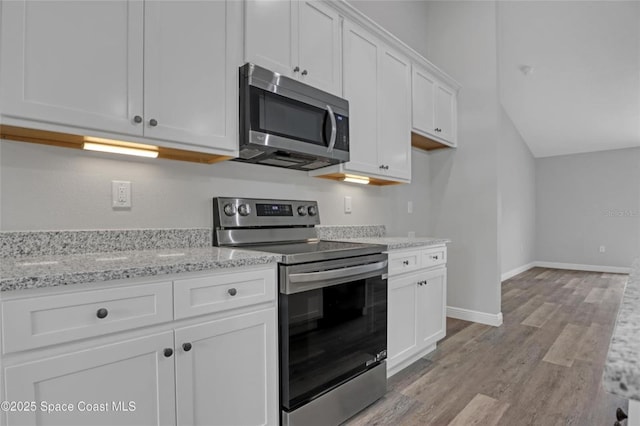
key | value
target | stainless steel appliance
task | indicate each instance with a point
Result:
(286, 123)
(332, 308)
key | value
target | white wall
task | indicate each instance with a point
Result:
(464, 182)
(584, 201)
(517, 198)
(406, 19)
(45, 188)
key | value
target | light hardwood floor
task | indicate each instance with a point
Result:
(543, 366)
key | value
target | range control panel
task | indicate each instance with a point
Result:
(258, 213)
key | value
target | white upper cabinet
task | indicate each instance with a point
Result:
(269, 34)
(423, 99)
(446, 114)
(75, 63)
(361, 53)
(192, 53)
(159, 70)
(377, 84)
(433, 107)
(394, 100)
(296, 38)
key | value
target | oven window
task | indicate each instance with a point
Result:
(329, 335)
(281, 116)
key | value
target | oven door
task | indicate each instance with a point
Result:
(331, 331)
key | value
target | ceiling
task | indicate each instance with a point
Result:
(583, 91)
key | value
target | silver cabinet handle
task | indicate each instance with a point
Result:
(296, 69)
(304, 72)
(153, 122)
(334, 128)
(306, 277)
(137, 119)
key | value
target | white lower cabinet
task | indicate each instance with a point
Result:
(125, 383)
(417, 309)
(214, 366)
(223, 371)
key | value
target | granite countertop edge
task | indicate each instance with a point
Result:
(52, 271)
(622, 368)
(397, 243)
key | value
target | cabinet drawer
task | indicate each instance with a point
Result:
(404, 262)
(434, 256)
(213, 293)
(46, 320)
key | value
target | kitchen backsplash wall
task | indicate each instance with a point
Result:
(48, 188)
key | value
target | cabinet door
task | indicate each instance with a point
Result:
(319, 46)
(423, 94)
(360, 82)
(192, 55)
(432, 307)
(111, 376)
(270, 32)
(394, 96)
(74, 63)
(403, 318)
(446, 114)
(228, 376)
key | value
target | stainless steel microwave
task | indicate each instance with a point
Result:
(286, 123)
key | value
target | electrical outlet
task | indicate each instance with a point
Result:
(410, 207)
(121, 194)
(603, 249)
(348, 208)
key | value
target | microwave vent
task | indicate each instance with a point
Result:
(247, 154)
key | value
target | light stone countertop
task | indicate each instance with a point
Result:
(18, 273)
(396, 243)
(622, 368)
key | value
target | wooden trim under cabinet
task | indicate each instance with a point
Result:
(422, 142)
(67, 140)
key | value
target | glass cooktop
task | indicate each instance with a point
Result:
(317, 250)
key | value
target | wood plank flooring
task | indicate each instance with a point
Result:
(543, 366)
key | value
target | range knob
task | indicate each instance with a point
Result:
(302, 211)
(313, 210)
(244, 209)
(229, 209)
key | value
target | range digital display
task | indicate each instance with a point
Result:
(274, 210)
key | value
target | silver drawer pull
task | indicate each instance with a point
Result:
(232, 292)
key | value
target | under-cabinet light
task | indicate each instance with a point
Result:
(106, 145)
(356, 179)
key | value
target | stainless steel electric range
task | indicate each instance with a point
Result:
(332, 307)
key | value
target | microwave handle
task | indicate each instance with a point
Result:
(334, 128)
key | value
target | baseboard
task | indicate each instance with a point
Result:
(579, 267)
(516, 271)
(475, 316)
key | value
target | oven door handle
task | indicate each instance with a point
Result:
(307, 277)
